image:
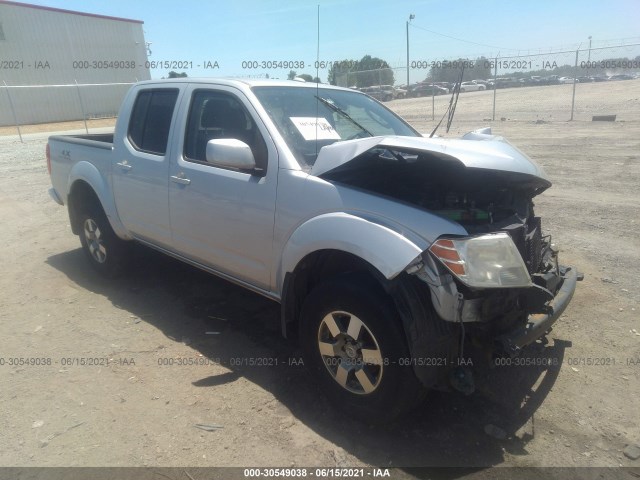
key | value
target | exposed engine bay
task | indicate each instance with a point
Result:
(472, 197)
(481, 200)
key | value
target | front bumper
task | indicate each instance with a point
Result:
(539, 324)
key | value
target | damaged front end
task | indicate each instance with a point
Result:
(501, 286)
(498, 309)
(483, 283)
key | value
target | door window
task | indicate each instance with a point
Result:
(216, 115)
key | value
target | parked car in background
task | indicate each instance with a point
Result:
(481, 82)
(621, 76)
(446, 85)
(423, 90)
(507, 83)
(551, 80)
(471, 86)
(568, 80)
(395, 92)
(378, 93)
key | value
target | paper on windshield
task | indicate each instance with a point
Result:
(312, 128)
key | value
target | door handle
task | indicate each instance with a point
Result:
(180, 179)
(124, 165)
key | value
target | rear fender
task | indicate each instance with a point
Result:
(87, 172)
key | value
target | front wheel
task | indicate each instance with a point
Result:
(353, 341)
(105, 251)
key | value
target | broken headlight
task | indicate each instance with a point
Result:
(487, 261)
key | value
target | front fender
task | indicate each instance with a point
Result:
(387, 250)
(88, 173)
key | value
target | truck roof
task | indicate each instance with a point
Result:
(242, 82)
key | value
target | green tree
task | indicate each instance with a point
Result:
(449, 70)
(482, 68)
(374, 71)
(173, 74)
(292, 75)
(365, 72)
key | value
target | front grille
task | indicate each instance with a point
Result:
(533, 243)
(528, 239)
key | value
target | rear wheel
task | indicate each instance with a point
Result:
(105, 251)
(352, 339)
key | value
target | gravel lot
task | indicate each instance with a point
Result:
(136, 409)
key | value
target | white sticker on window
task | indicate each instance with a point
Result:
(312, 128)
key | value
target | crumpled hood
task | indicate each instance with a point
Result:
(478, 149)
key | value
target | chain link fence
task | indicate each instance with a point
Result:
(584, 84)
(39, 104)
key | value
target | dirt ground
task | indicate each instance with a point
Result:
(136, 406)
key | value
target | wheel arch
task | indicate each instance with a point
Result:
(336, 243)
(387, 248)
(87, 184)
(80, 193)
(312, 270)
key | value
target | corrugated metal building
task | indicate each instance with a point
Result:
(51, 47)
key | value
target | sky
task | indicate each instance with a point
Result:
(235, 31)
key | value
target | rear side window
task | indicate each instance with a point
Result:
(151, 119)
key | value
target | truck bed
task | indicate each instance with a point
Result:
(98, 140)
(85, 154)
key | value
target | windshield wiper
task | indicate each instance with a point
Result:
(452, 105)
(337, 109)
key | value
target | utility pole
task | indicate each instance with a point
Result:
(411, 17)
(589, 57)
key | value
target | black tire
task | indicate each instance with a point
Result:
(104, 249)
(361, 373)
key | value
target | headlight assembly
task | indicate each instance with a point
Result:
(487, 261)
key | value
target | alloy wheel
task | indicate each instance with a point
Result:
(95, 242)
(350, 352)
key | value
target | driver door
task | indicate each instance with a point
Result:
(221, 217)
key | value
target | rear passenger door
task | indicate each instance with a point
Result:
(141, 167)
(223, 218)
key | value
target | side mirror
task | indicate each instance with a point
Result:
(232, 153)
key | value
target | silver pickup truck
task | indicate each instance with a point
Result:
(389, 252)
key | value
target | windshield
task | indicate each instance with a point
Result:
(310, 118)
